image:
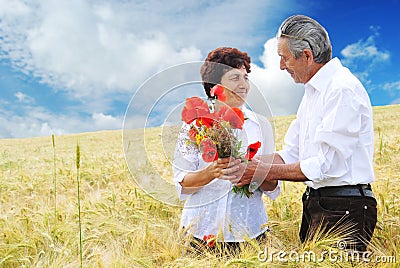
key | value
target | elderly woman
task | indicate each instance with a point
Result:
(211, 208)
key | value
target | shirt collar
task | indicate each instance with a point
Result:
(319, 81)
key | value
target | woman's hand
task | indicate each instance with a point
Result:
(220, 168)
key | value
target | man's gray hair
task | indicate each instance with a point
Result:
(302, 33)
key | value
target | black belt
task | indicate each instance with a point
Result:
(345, 190)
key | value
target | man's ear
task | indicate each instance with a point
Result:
(308, 55)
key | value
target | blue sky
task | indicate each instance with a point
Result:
(73, 66)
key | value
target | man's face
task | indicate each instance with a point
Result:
(297, 68)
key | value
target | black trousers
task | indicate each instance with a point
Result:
(354, 215)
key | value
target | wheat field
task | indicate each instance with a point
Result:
(114, 223)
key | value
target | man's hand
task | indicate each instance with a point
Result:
(242, 173)
(234, 172)
(255, 171)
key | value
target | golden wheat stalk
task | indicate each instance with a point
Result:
(78, 165)
(54, 176)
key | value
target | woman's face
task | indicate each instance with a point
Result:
(237, 86)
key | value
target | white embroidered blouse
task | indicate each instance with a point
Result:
(215, 208)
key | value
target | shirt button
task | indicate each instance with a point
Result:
(347, 212)
(365, 207)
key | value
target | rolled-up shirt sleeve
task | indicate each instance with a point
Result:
(335, 138)
(274, 193)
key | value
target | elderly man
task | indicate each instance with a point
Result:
(329, 146)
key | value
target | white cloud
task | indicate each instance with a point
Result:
(32, 121)
(99, 52)
(364, 56)
(392, 86)
(91, 48)
(366, 50)
(23, 98)
(278, 87)
(38, 121)
(13, 8)
(74, 45)
(102, 121)
(393, 89)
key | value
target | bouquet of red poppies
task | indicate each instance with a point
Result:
(214, 131)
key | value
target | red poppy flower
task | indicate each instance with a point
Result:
(210, 240)
(206, 120)
(209, 150)
(196, 102)
(240, 116)
(252, 150)
(219, 92)
(192, 134)
(233, 115)
(194, 108)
